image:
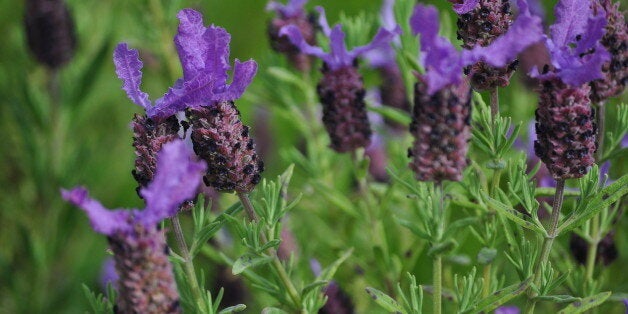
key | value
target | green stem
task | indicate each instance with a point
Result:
(276, 263)
(494, 103)
(438, 288)
(541, 263)
(187, 259)
(486, 275)
(592, 252)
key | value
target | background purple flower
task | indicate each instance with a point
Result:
(204, 55)
(507, 310)
(339, 56)
(291, 9)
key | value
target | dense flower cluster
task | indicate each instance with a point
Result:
(50, 31)
(291, 13)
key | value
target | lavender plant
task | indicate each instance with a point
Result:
(250, 202)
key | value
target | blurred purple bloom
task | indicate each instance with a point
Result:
(176, 180)
(575, 49)
(443, 63)
(204, 55)
(385, 56)
(536, 8)
(507, 310)
(108, 273)
(464, 6)
(339, 56)
(291, 9)
(626, 304)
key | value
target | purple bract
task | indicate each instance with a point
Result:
(575, 49)
(339, 56)
(291, 9)
(176, 180)
(204, 55)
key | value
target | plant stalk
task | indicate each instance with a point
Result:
(438, 287)
(547, 244)
(276, 263)
(592, 251)
(188, 263)
(494, 103)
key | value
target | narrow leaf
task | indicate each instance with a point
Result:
(586, 303)
(383, 300)
(247, 261)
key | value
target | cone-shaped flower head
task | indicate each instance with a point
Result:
(615, 40)
(341, 90)
(204, 55)
(565, 120)
(50, 31)
(292, 13)
(444, 64)
(146, 282)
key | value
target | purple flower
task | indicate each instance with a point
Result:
(626, 304)
(292, 9)
(507, 310)
(444, 64)
(575, 49)
(384, 56)
(339, 56)
(204, 55)
(175, 181)
(108, 274)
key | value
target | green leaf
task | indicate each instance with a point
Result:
(392, 114)
(273, 310)
(512, 214)
(500, 297)
(311, 287)
(247, 261)
(563, 298)
(330, 270)
(586, 303)
(441, 248)
(383, 300)
(233, 309)
(414, 228)
(457, 225)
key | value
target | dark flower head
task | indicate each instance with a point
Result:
(204, 55)
(175, 181)
(444, 64)
(574, 46)
(292, 9)
(339, 56)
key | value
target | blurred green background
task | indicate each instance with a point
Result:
(47, 248)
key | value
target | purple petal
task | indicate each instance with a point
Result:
(571, 20)
(108, 274)
(388, 15)
(176, 180)
(294, 35)
(507, 310)
(184, 94)
(525, 31)
(322, 21)
(190, 43)
(338, 56)
(383, 38)
(103, 221)
(243, 74)
(466, 6)
(217, 55)
(442, 62)
(129, 70)
(576, 72)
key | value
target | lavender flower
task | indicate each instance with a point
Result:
(606, 252)
(108, 274)
(507, 310)
(341, 90)
(291, 14)
(615, 40)
(565, 127)
(146, 282)
(441, 114)
(444, 64)
(50, 32)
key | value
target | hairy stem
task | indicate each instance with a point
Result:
(486, 282)
(276, 263)
(187, 259)
(494, 102)
(592, 251)
(541, 263)
(437, 277)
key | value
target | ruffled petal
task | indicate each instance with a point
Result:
(104, 221)
(190, 43)
(217, 57)
(338, 56)
(243, 74)
(129, 70)
(571, 20)
(184, 94)
(292, 9)
(176, 180)
(322, 21)
(383, 38)
(294, 35)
